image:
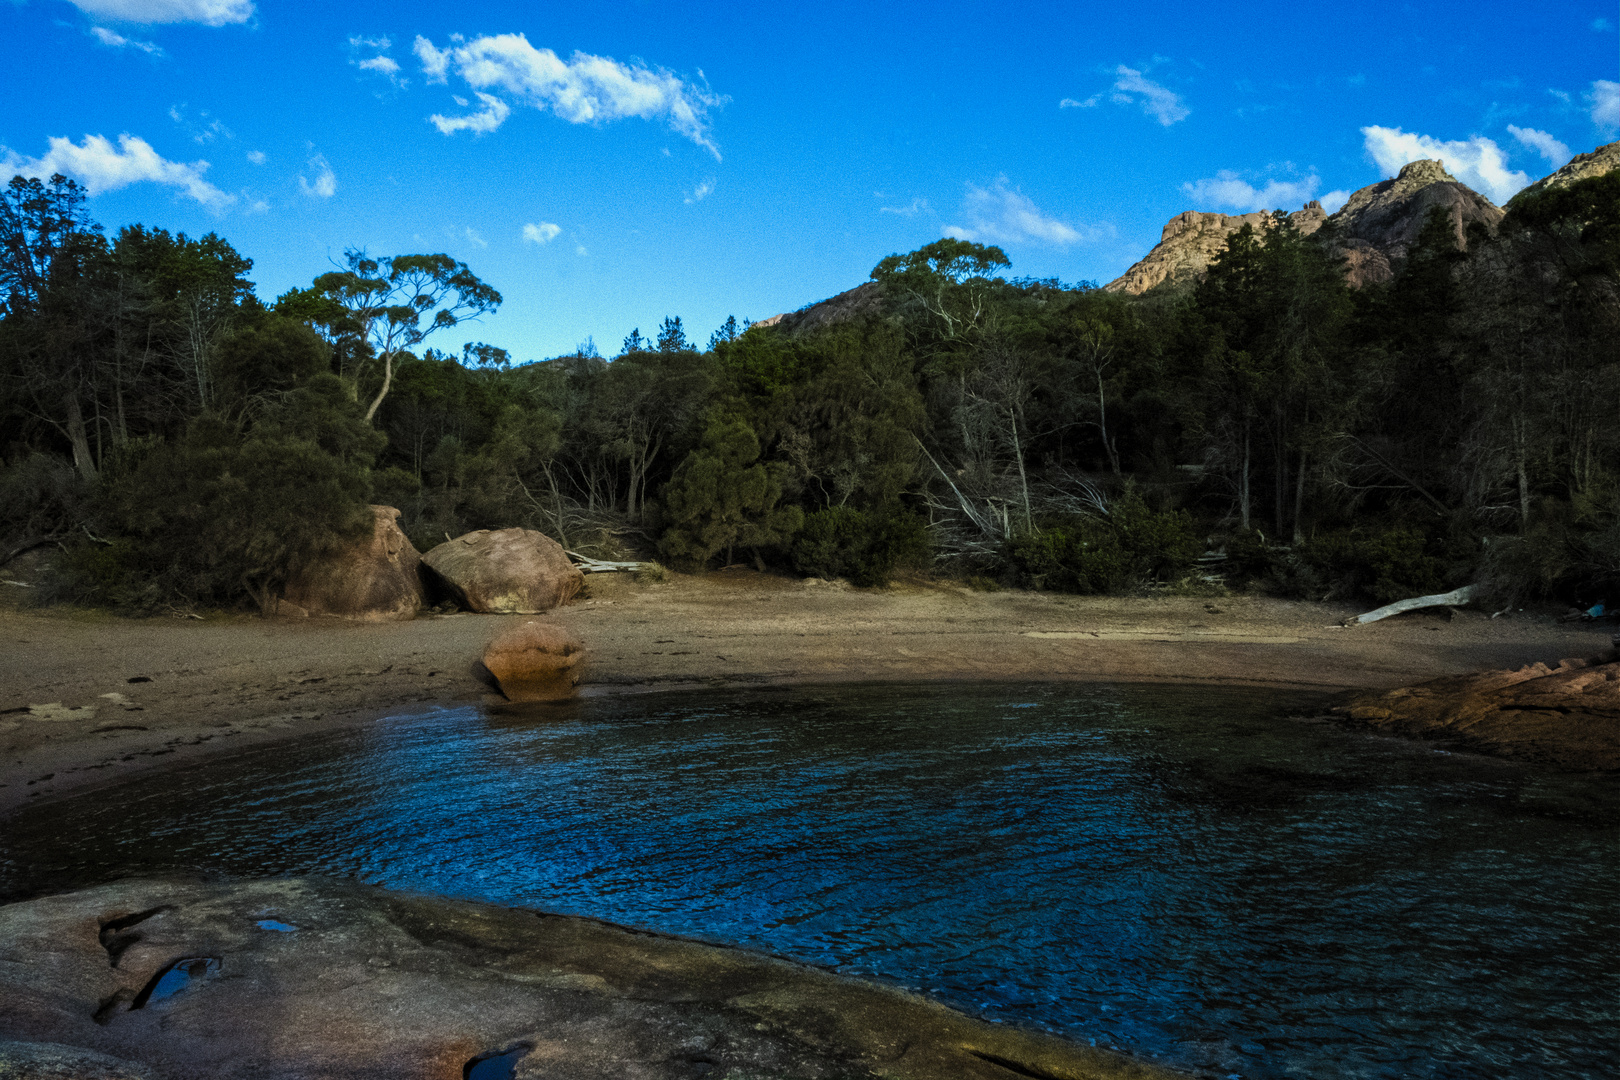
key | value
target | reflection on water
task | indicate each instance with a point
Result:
(1185, 874)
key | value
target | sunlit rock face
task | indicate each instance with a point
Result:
(1372, 231)
(1377, 226)
(337, 979)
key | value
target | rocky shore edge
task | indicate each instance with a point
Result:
(168, 979)
(1567, 715)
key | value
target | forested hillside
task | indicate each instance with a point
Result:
(181, 440)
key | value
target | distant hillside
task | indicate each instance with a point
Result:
(1372, 231)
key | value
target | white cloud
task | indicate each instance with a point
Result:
(207, 12)
(1602, 25)
(1556, 153)
(915, 207)
(1230, 191)
(202, 131)
(580, 250)
(490, 117)
(543, 233)
(100, 166)
(585, 89)
(1604, 99)
(256, 156)
(324, 186)
(119, 41)
(473, 238)
(1479, 162)
(381, 63)
(1001, 214)
(1071, 103)
(701, 192)
(1332, 200)
(1132, 87)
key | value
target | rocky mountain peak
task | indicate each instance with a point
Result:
(1419, 173)
(1604, 159)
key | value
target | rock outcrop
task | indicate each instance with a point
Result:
(1605, 159)
(505, 571)
(376, 578)
(1191, 241)
(342, 980)
(1568, 716)
(863, 299)
(1372, 231)
(1377, 226)
(535, 662)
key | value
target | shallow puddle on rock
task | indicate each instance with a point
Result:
(175, 978)
(495, 1065)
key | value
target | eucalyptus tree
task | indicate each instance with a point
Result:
(383, 303)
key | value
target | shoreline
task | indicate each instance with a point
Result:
(138, 696)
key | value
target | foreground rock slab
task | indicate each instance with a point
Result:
(378, 578)
(506, 571)
(1568, 716)
(305, 978)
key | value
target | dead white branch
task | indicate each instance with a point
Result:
(1454, 598)
(589, 565)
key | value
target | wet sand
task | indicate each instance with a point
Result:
(134, 694)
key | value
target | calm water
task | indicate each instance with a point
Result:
(1188, 875)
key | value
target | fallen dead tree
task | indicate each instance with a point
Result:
(1454, 598)
(588, 565)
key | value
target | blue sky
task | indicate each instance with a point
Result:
(605, 165)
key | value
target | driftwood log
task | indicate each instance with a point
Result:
(588, 565)
(1454, 598)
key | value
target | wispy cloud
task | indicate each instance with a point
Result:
(701, 192)
(119, 41)
(1071, 103)
(584, 89)
(543, 233)
(378, 62)
(1604, 100)
(205, 129)
(100, 166)
(490, 117)
(911, 209)
(472, 237)
(1602, 26)
(1556, 153)
(256, 156)
(1161, 103)
(324, 186)
(1478, 162)
(1228, 190)
(1001, 214)
(207, 12)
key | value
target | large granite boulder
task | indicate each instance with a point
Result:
(376, 578)
(291, 979)
(505, 571)
(1568, 716)
(535, 662)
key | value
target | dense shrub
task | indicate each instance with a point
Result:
(1133, 545)
(867, 548)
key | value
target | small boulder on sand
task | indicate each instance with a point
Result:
(535, 662)
(376, 578)
(505, 571)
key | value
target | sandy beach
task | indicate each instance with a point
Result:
(125, 695)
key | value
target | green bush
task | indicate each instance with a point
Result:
(867, 548)
(1133, 545)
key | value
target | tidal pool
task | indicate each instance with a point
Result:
(1191, 875)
